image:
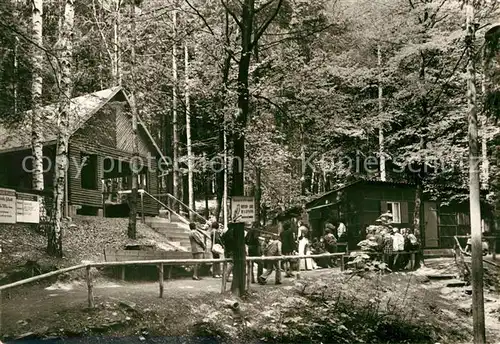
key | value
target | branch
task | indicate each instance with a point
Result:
(231, 13)
(201, 17)
(101, 32)
(263, 6)
(263, 28)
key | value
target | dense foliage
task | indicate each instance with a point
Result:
(313, 84)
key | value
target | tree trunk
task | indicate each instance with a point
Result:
(54, 245)
(380, 109)
(417, 211)
(303, 167)
(207, 195)
(15, 62)
(238, 186)
(474, 194)
(485, 173)
(221, 174)
(117, 75)
(36, 95)
(188, 134)
(132, 221)
(258, 194)
(175, 138)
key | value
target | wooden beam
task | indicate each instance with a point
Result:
(160, 273)
(239, 271)
(90, 287)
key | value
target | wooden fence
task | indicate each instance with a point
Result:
(161, 263)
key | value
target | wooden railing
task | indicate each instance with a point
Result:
(491, 239)
(161, 264)
(172, 210)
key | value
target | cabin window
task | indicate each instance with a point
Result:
(89, 171)
(399, 211)
(395, 209)
(142, 181)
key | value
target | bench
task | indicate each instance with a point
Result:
(111, 255)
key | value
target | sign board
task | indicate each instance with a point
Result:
(27, 208)
(243, 209)
(7, 206)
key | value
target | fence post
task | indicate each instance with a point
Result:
(160, 273)
(224, 272)
(342, 262)
(238, 283)
(249, 273)
(90, 287)
(494, 252)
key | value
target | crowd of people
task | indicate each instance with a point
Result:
(392, 242)
(258, 243)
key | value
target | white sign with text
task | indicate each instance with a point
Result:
(7, 206)
(243, 209)
(27, 208)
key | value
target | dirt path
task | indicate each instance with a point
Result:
(24, 305)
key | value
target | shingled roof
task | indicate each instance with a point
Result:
(18, 136)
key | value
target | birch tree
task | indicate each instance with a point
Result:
(175, 133)
(188, 133)
(54, 246)
(36, 94)
(132, 224)
(474, 187)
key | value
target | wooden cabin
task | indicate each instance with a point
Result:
(100, 154)
(360, 203)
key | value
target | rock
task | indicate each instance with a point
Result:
(22, 323)
(99, 329)
(27, 336)
(141, 338)
(128, 305)
(42, 330)
(115, 324)
(128, 319)
(115, 314)
(465, 308)
(455, 284)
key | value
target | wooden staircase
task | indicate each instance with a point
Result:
(175, 230)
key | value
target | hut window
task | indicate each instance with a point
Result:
(395, 209)
(89, 171)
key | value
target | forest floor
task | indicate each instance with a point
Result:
(23, 248)
(324, 306)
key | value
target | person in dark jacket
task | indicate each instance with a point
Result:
(229, 247)
(288, 246)
(215, 237)
(255, 249)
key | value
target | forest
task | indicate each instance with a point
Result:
(297, 89)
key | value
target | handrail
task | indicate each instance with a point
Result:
(184, 205)
(174, 212)
(160, 261)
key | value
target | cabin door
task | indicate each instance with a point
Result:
(431, 225)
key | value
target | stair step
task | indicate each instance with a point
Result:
(172, 233)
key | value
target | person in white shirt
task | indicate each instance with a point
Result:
(398, 242)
